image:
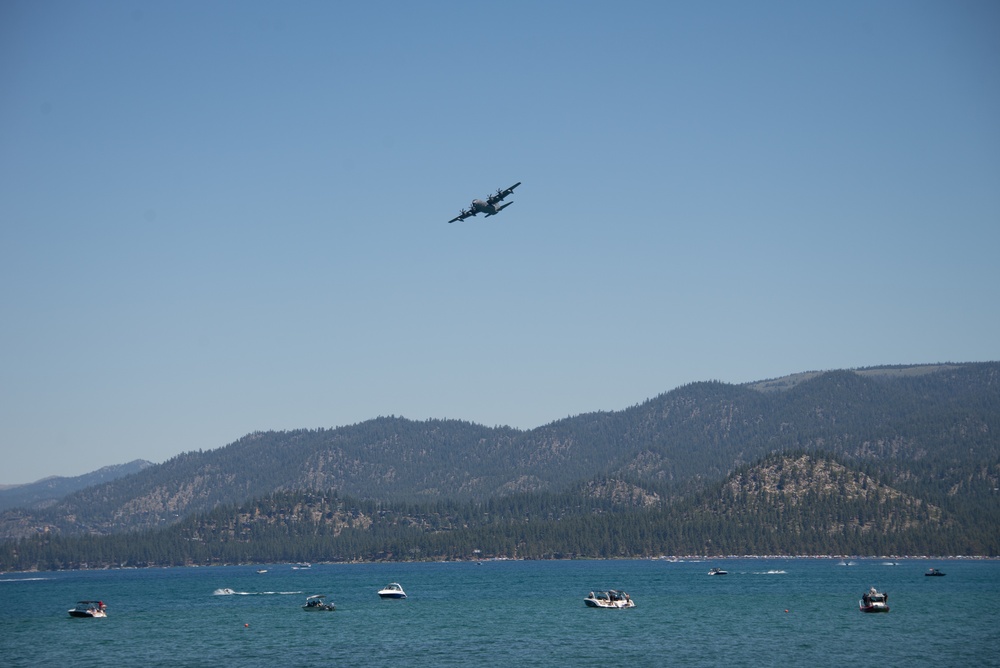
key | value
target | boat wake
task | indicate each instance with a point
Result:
(230, 592)
(24, 579)
(771, 572)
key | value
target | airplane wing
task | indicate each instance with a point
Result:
(463, 214)
(500, 194)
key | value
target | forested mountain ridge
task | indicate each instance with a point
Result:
(929, 432)
(793, 503)
(49, 491)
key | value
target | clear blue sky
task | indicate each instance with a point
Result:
(222, 217)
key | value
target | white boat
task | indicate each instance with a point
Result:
(392, 590)
(718, 571)
(316, 604)
(609, 599)
(874, 601)
(89, 609)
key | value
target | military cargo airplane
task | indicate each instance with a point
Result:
(489, 207)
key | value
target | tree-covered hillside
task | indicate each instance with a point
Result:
(930, 434)
(49, 491)
(794, 503)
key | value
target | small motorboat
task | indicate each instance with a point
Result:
(609, 599)
(316, 604)
(717, 571)
(934, 572)
(392, 590)
(874, 601)
(89, 609)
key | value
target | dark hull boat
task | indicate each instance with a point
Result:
(317, 604)
(89, 609)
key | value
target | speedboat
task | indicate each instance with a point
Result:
(874, 601)
(89, 609)
(609, 599)
(718, 571)
(316, 604)
(392, 590)
(934, 571)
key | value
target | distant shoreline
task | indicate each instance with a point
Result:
(690, 559)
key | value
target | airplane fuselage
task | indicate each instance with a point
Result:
(479, 206)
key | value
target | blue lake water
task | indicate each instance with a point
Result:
(766, 612)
